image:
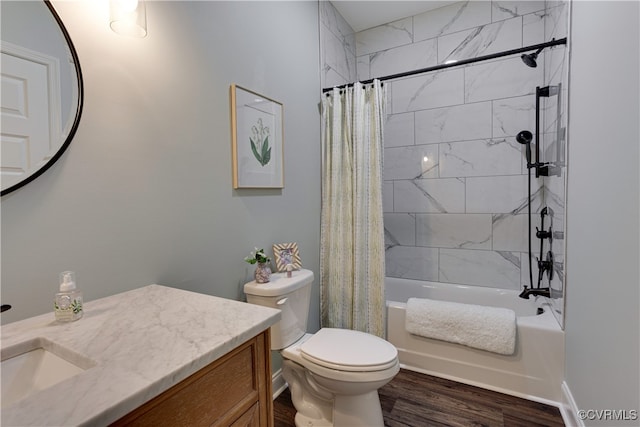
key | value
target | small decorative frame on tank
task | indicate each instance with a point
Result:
(287, 254)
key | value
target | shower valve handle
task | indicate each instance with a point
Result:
(546, 265)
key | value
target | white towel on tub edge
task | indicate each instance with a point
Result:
(486, 328)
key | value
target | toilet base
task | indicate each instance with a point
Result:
(304, 421)
(362, 410)
(352, 411)
(316, 406)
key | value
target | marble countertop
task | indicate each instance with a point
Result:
(135, 345)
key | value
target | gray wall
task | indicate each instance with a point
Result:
(144, 194)
(602, 302)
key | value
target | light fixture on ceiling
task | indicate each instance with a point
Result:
(128, 17)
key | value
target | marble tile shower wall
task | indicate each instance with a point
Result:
(455, 179)
(337, 47)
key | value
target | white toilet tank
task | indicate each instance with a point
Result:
(292, 296)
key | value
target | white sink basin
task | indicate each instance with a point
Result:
(35, 365)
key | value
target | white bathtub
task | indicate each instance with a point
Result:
(536, 369)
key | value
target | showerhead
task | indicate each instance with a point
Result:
(530, 59)
(525, 137)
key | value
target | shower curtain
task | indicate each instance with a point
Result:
(352, 232)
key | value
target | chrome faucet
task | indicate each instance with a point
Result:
(544, 292)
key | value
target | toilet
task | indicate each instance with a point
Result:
(333, 375)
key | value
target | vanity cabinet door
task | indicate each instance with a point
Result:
(234, 390)
(251, 418)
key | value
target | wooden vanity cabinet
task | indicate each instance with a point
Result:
(234, 390)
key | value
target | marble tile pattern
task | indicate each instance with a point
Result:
(140, 343)
(484, 40)
(408, 57)
(381, 38)
(337, 47)
(455, 189)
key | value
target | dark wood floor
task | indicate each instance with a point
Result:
(417, 400)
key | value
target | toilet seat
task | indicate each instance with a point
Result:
(349, 351)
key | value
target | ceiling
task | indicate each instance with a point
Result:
(364, 14)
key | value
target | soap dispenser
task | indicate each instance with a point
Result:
(68, 302)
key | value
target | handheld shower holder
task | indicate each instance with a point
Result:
(544, 234)
(547, 169)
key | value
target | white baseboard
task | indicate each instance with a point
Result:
(569, 409)
(278, 384)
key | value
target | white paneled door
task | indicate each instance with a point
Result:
(27, 116)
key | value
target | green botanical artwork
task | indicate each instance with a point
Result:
(260, 143)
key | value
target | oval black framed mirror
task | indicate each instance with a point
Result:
(42, 91)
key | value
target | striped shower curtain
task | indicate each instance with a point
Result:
(352, 231)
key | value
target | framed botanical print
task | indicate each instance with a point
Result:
(257, 138)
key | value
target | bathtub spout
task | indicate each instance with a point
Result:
(545, 292)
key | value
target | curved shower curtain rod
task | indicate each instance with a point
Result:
(537, 47)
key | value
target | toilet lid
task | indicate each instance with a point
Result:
(347, 350)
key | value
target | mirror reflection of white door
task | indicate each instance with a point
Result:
(30, 111)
